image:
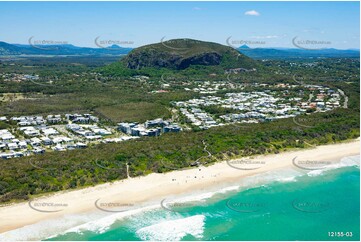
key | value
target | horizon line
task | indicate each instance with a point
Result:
(239, 47)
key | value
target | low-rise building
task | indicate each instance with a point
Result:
(172, 128)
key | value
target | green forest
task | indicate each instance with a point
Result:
(115, 98)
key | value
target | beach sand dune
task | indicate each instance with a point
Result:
(132, 191)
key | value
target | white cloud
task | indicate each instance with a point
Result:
(314, 31)
(196, 9)
(252, 13)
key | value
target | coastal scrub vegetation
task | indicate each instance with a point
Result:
(132, 98)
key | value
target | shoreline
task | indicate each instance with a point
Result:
(159, 186)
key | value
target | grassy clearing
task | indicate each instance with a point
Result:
(134, 112)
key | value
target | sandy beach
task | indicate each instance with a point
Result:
(158, 186)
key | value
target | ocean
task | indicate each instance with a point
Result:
(283, 205)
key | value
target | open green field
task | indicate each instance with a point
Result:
(134, 112)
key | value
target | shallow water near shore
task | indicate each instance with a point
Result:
(310, 205)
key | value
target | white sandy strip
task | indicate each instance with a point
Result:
(158, 186)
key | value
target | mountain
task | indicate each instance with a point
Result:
(179, 54)
(244, 47)
(8, 49)
(114, 47)
(66, 49)
(289, 53)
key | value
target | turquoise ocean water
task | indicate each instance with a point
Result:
(312, 206)
(292, 205)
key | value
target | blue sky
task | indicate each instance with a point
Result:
(260, 24)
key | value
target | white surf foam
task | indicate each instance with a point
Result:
(100, 225)
(42, 229)
(100, 222)
(173, 230)
(263, 179)
(103, 224)
(206, 195)
(97, 222)
(344, 162)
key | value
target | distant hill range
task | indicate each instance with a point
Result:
(296, 53)
(66, 49)
(175, 45)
